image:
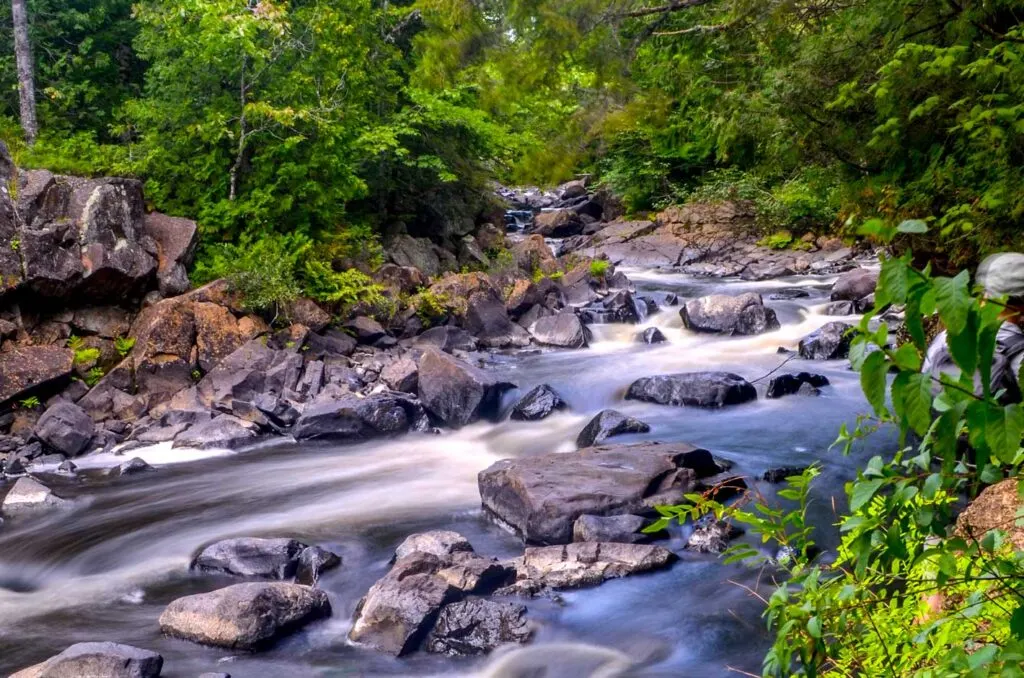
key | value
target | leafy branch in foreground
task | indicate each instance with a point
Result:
(909, 593)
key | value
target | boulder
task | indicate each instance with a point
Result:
(560, 223)
(841, 308)
(777, 475)
(996, 508)
(488, 321)
(331, 343)
(446, 338)
(652, 335)
(97, 660)
(471, 254)
(131, 467)
(745, 314)
(606, 424)
(401, 375)
(399, 280)
(830, 342)
(475, 627)
(854, 285)
(789, 384)
(28, 495)
(24, 368)
(693, 389)
(246, 616)
(399, 610)
(313, 561)
(353, 418)
(622, 307)
(440, 543)
(537, 404)
(366, 330)
(621, 529)
(457, 393)
(251, 557)
(571, 190)
(490, 237)
(541, 497)
(418, 253)
(108, 322)
(223, 431)
(176, 241)
(65, 428)
(564, 330)
(252, 370)
(584, 564)
(533, 254)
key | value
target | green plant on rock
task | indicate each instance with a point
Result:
(777, 241)
(93, 376)
(906, 595)
(599, 267)
(124, 345)
(431, 308)
(83, 354)
(30, 403)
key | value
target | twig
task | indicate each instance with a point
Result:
(779, 367)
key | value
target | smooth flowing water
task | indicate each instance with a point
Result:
(106, 570)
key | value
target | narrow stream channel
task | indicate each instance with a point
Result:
(106, 571)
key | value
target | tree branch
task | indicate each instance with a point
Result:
(664, 9)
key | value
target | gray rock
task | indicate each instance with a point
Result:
(712, 536)
(841, 308)
(457, 393)
(314, 561)
(539, 403)
(830, 342)
(418, 253)
(97, 660)
(606, 424)
(440, 543)
(540, 497)
(693, 389)
(790, 384)
(399, 610)
(131, 467)
(251, 557)
(652, 335)
(24, 368)
(778, 475)
(454, 561)
(475, 627)
(854, 285)
(622, 529)
(584, 564)
(65, 428)
(246, 616)
(352, 418)
(488, 321)
(401, 375)
(223, 431)
(366, 330)
(563, 330)
(28, 495)
(745, 314)
(446, 338)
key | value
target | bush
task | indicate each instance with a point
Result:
(599, 267)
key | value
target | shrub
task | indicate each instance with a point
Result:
(598, 267)
(124, 345)
(83, 355)
(430, 307)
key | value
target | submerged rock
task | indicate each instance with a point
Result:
(712, 536)
(745, 314)
(694, 389)
(475, 627)
(314, 561)
(537, 404)
(652, 335)
(541, 497)
(246, 616)
(606, 424)
(830, 342)
(353, 418)
(97, 660)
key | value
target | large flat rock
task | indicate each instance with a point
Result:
(541, 497)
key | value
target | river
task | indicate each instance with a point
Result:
(106, 570)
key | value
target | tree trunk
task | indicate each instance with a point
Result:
(26, 81)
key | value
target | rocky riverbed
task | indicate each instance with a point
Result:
(395, 498)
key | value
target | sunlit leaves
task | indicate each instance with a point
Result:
(953, 301)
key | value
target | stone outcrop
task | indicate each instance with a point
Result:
(478, 626)
(584, 564)
(606, 424)
(99, 660)
(830, 342)
(745, 314)
(457, 393)
(541, 497)
(246, 616)
(539, 403)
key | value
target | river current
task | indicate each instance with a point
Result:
(105, 570)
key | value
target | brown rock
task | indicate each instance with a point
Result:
(306, 312)
(27, 367)
(532, 254)
(176, 241)
(217, 334)
(994, 509)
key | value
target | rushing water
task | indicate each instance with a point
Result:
(106, 570)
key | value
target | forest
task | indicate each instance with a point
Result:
(305, 136)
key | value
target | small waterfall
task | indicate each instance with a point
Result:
(518, 220)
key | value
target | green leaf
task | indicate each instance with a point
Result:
(814, 627)
(912, 226)
(931, 485)
(963, 346)
(953, 300)
(907, 358)
(893, 282)
(872, 380)
(1004, 427)
(1017, 621)
(912, 400)
(863, 491)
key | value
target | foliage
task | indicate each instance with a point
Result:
(431, 308)
(124, 345)
(264, 272)
(599, 267)
(905, 595)
(30, 403)
(779, 240)
(83, 354)
(93, 376)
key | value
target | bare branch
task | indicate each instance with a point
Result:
(664, 9)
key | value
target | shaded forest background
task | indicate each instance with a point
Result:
(324, 125)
